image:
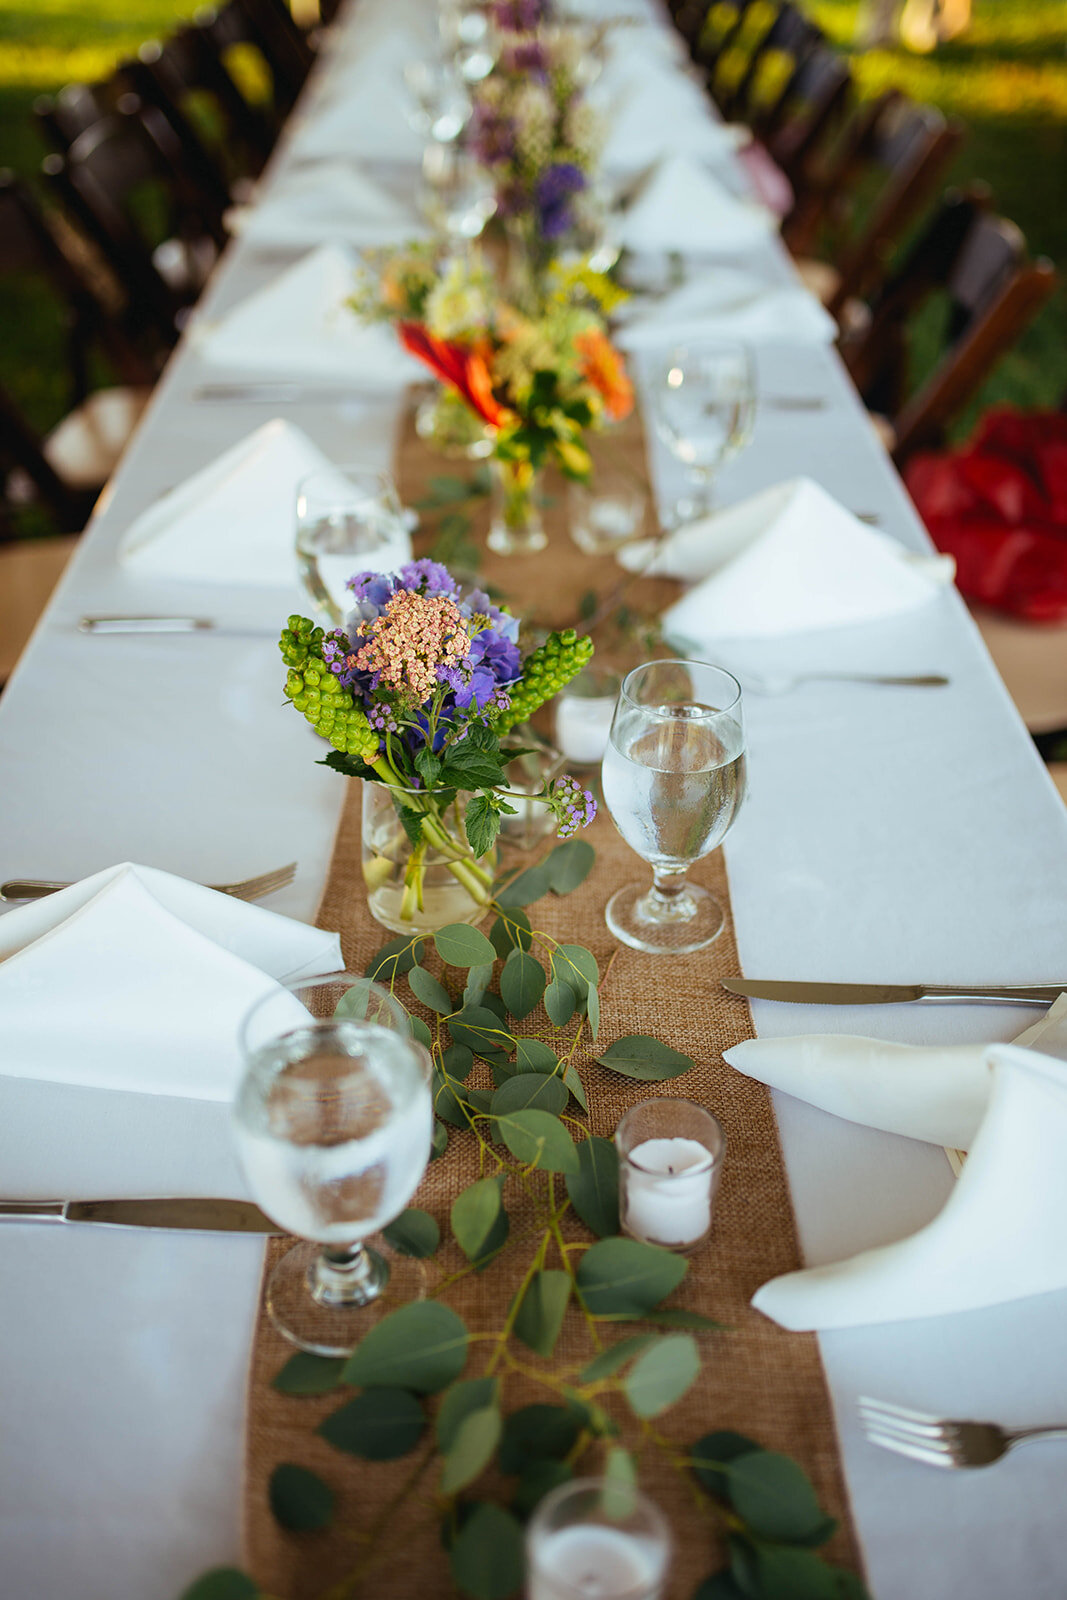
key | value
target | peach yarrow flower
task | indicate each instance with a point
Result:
(415, 635)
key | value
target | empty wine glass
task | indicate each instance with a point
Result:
(347, 519)
(333, 1122)
(673, 780)
(705, 407)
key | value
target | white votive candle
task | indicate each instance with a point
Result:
(668, 1191)
(582, 727)
(595, 1563)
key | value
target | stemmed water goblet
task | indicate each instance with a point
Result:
(704, 405)
(333, 1123)
(673, 781)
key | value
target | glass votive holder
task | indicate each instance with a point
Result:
(609, 511)
(595, 1540)
(583, 710)
(671, 1153)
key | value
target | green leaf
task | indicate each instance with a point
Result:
(773, 1496)
(480, 1030)
(560, 1003)
(421, 1032)
(498, 1238)
(492, 1002)
(425, 987)
(413, 1233)
(299, 1499)
(439, 1143)
(472, 1449)
(592, 1009)
(536, 1138)
(575, 966)
(574, 1084)
(428, 766)
(627, 1277)
(474, 1211)
(411, 821)
(487, 1558)
(678, 1317)
(529, 886)
(609, 1361)
(512, 932)
(445, 489)
(619, 1495)
(544, 1305)
(569, 865)
(719, 1586)
(394, 959)
(539, 1433)
(222, 1583)
(422, 1346)
(594, 1188)
(539, 1479)
(662, 1374)
(305, 1374)
(378, 1425)
(527, 1089)
(648, 1060)
(778, 1572)
(471, 1394)
(478, 981)
(448, 1101)
(534, 1056)
(460, 945)
(522, 983)
(482, 824)
(712, 1454)
(457, 1061)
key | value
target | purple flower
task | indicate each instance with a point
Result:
(372, 591)
(491, 136)
(553, 192)
(498, 653)
(519, 16)
(478, 604)
(528, 56)
(574, 807)
(426, 577)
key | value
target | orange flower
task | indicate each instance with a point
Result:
(465, 371)
(602, 366)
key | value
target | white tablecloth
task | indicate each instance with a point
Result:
(888, 835)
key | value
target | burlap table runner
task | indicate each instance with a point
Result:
(756, 1379)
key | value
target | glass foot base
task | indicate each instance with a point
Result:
(514, 542)
(667, 925)
(326, 1329)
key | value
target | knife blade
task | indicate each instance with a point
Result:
(881, 994)
(199, 1215)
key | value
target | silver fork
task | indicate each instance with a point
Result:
(247, 889)
(941, 1442)
(783, 682)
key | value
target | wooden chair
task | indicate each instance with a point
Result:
(808, 113)
(288, 49)
(978, 263)
(772, 61)
(893, 155)
(186, 78)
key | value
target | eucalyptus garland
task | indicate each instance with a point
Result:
(420, 1384)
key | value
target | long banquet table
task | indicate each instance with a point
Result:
(888, 834)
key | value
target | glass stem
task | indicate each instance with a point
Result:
(668, 887)
(352, 1277)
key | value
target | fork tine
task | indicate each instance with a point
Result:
(930, 1438)
(256, 888)
(914, 1451)
(885, 1409)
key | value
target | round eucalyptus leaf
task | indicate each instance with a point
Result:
(561, 1003)
(480, 1030)
(575, 1085)
(460, 945)
(487, 1557)
(478, 980)
(575, 966)
(472, 1394)
(421, 1346)
(529, 886)
(533, 1055)
(379, 1425)
(594, 1188)
(626, 1277)
(425, 987)
(394, 959)
(773, 1496)
(720, 1586)
(474, 1211)
(530, 1089)
(472, 1449)
(544, 1305)
(222, 1583)
(539, 1479)
(305, 1374)
(782, 1572)
(439, 1143)
(421, 1032)
(538, 1139)
(711, 1456)
(522, 983)
(538, 1433)
(511, 932)
(662, 1374)
(569, 865)
(299, 1500)
(615, 1356)
(457, 1062)
(644, 1058)
(619, 1494)
(413, 1233)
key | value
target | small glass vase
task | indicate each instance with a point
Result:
(418, 888)
(515, 526)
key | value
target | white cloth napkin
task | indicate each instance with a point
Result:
(365, 112)
(937, 1093)
(300, 326)
(999, 1237)
(331, 202)
(135, 979)
(681, 206)
(788, 560)
(234, 522)
(655, 114)
(726, 303)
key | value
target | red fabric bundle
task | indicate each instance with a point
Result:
(999, 505)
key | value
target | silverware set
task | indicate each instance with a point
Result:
(246, 889)
(943, 1441)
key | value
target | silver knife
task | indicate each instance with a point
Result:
(881, 994)
(281, 393)
(203, 1216)
(143, 624)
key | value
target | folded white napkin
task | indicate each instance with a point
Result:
(320, 204)
(365, 115)
(726, 303)
(135, 979)
(937, 1093)
(300, 326)
(235, 520)
(681, 206)
(655, 115)
(788, 560)
(999, 1237)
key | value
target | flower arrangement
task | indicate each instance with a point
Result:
(415, 693)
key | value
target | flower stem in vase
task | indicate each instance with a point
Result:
(515, 526)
